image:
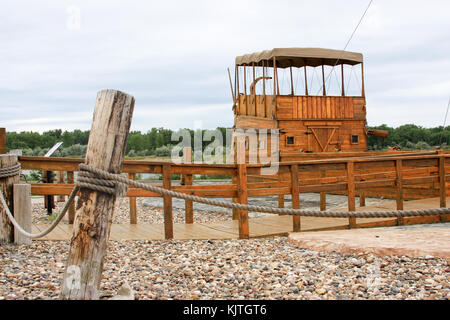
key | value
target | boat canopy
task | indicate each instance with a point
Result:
(300, 57)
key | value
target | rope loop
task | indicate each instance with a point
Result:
(10, 171)
(91, 180)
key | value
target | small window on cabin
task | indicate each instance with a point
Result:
(289, 140)
(354, 139)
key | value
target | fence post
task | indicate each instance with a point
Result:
(323, 195)
(106, 148)
(244, 232)
(442, 186)
(351, 192)
(188, 204)
(295, 197)
(71, 211)
(60, 179)
(362, 198)
(281, 201)
(168, 215)
(2, 140)
(22, 211)
(399, 184)
(133, 207)
(6, 187)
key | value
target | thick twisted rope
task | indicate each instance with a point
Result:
(115, 184)
(282, 211)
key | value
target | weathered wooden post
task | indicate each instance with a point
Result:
(133, 206)
(188, 204)
(71, 211)
(106, 149)
(22, 211)
(168, 214)
(295, 197)
(234, 180)
(399, 184)
(351, 192)
(2, 140)
(362, 198)
(6, 187)
(442, 186)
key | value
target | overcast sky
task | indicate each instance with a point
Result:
(172, 57)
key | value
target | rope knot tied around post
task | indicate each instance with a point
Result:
(90, 178)
(10, 171)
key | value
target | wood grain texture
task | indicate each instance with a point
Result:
(106, 148)
(22, 211)
(2, 140)
(6, 187)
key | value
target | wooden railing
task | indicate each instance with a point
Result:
(355, 177)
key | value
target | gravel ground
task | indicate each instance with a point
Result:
(222, 269)
(236, 269)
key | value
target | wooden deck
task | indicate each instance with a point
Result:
(259, 227)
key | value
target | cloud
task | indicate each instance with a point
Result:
(172, 56)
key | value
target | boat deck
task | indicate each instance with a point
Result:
(259, 227)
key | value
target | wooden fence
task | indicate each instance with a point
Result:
(353, 176)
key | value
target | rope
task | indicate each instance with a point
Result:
(10, 171)
(116, 185)
(282, 211)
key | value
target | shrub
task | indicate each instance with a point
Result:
(163, 151)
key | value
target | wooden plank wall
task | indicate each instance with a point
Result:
(320, 107)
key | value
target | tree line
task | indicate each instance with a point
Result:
(158, 141)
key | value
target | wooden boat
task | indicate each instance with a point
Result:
(304, 122)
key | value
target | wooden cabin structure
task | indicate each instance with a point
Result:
(307, 120)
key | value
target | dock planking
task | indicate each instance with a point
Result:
(267, 226)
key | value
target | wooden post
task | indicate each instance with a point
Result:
(234, 180)
(133, 206)
(351, 192)
(362, 198)
(264, 87)
(60, 177)
(168, 215)
(399, 184)
(323, 81)
(342, 79)
(106, 148)
(292, 81)
(242, 191)
(71, 211)
(281, 201)
(6, 187)
(2, 140)
(363, 93)
(306, 83)
(295, 192)
(323, 195)
(442, 186)
(22, 211)
(245, 91)
(188, 204)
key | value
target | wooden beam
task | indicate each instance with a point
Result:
(292, 81)
(2, 140)
(264, 88)
(168, 215)
(342, 79)
(106, 148)
(362, 198)
(132, 201)
(363, 93)
(71, 211)
(306, 83)
(60, 179)
(188, 204)
(244, 232)
(6, 187)
(399, 187)
(22, 211)
(323, 81)
(295, 192)
(245, 91)
(351, 192)
(323, 195)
